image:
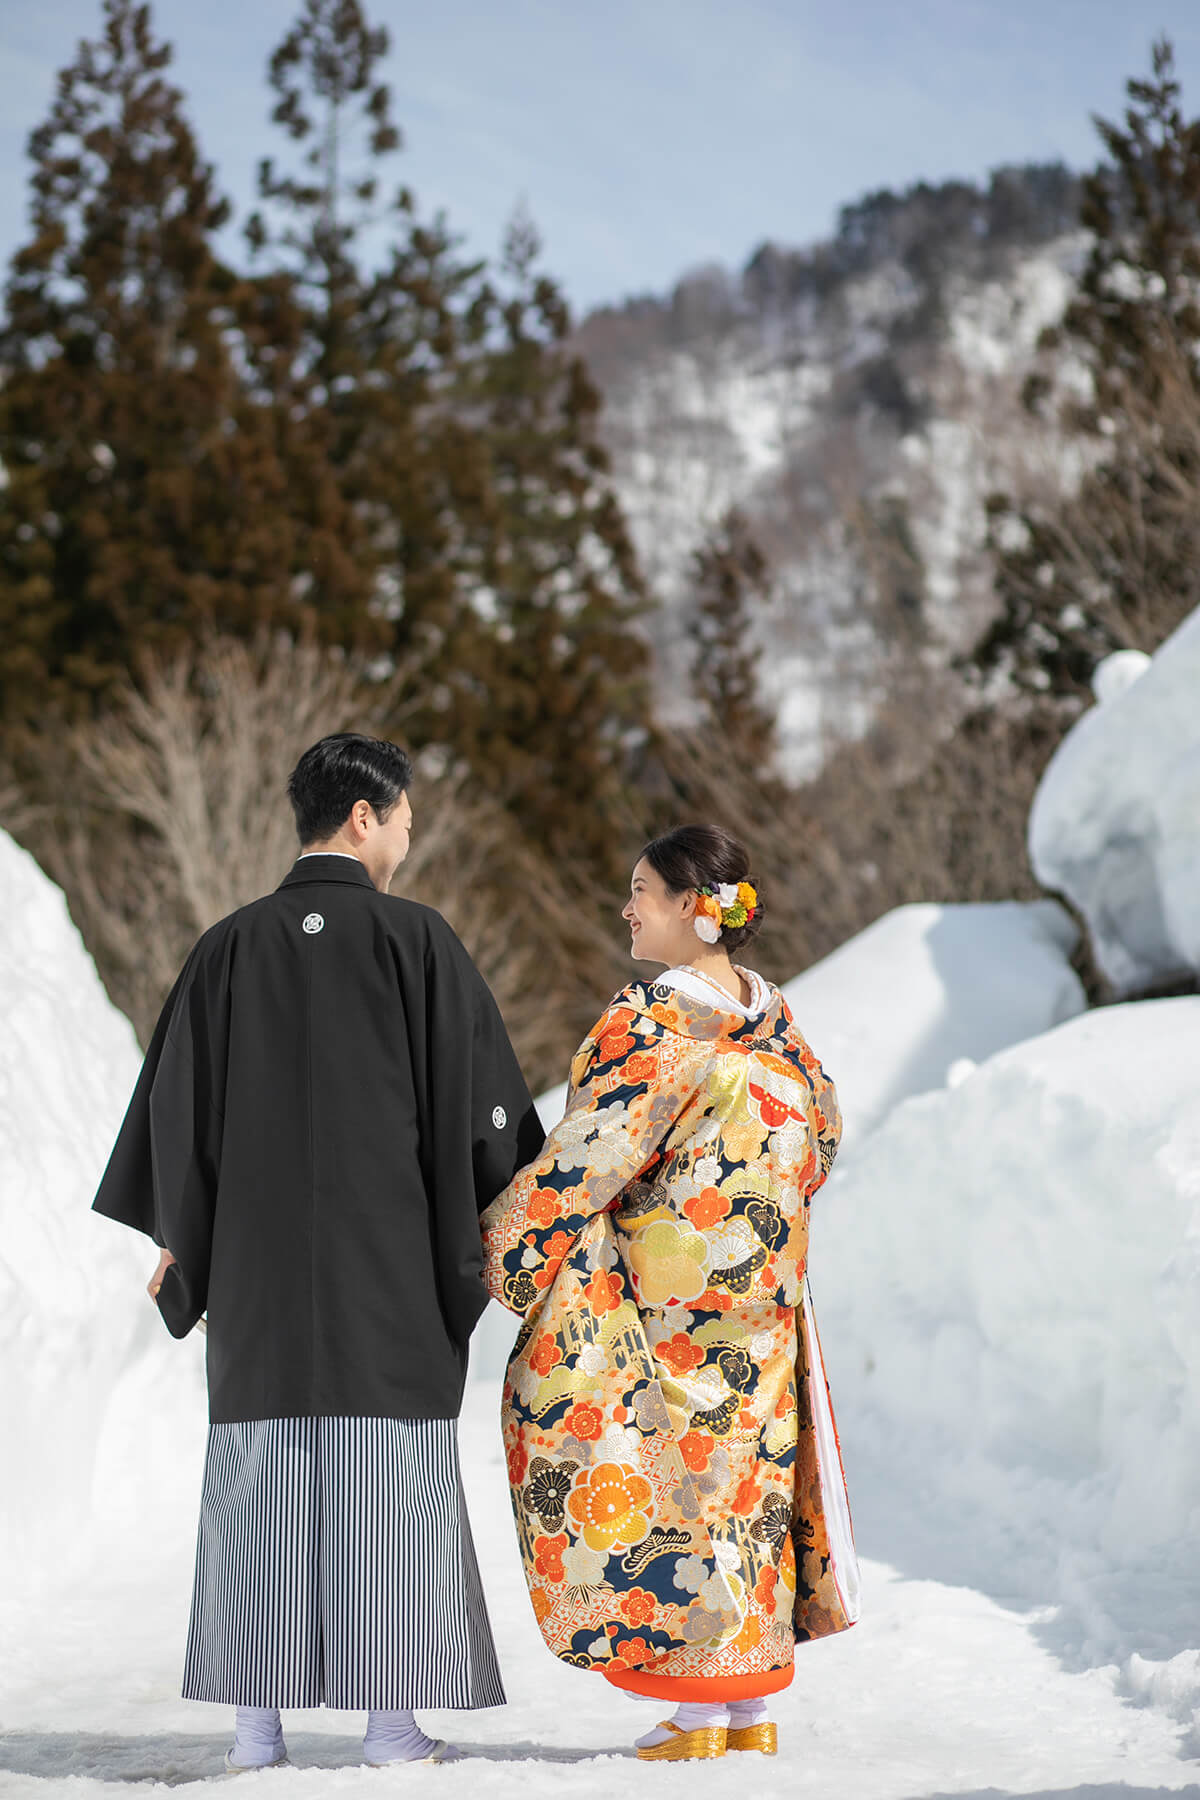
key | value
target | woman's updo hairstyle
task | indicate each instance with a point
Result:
(696, 856)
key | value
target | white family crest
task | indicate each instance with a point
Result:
(314, 922)
(499, 1118)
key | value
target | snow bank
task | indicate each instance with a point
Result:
(94, 1409)
(1007, 1275)
(1115, 823)
(924, 987)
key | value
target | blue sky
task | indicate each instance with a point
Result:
(650, 136)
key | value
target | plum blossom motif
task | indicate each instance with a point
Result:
(610, 1504)
(649, 1409)
(702, 1626)
(670, 1262)
(584, 1421)
(601, 1251)
(742, 1138)
(594, 1141)
(707, 1208)
(605, 1290)
(679, 1353)
(691, 1572)
(582, 1567)
(547, 1555)
(638, 1606)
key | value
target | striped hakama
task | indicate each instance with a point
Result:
(335, 1567)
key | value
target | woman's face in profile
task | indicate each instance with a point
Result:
(659, 922)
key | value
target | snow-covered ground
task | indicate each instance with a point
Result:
(939, 1691)
(1008, 1279)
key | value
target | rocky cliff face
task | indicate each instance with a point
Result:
(858, 400)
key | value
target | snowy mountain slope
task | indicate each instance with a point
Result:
(858, 402)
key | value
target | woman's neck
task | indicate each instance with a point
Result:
(714, 965)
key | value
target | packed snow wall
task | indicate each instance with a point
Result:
(101, 1414)
(1007, 1275)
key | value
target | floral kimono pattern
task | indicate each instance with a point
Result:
(674, 1467)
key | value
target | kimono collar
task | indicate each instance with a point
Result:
(326, 867)
(694, 1018)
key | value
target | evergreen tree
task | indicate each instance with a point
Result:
(463, 429)
(1114, 565)
(144, 498)
(561, 697)
(728, 572)
(374, 352)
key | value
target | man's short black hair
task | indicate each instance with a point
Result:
(339, 770)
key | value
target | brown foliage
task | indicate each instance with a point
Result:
(170, 810)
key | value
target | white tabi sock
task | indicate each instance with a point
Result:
(743, 1713)
(693, 1716)
(396, 1737)
(257, 1738)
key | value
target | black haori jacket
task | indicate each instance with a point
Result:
(328, 1102)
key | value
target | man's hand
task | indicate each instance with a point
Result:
(156, 1280)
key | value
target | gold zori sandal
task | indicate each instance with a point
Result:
(762, 1737)
(709, 1740)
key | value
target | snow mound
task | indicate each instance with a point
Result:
(1115, 824)
(91, 1400)
(890, 1011)
(1008, 1279)
(1117, 673)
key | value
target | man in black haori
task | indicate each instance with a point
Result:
(328, 1102)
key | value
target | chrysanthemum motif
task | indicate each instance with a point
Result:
(547, 1489)
(734, 1243)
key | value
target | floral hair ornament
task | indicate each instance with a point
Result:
(726, 907)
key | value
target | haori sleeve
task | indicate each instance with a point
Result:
(621, 1103)
(162, 1176)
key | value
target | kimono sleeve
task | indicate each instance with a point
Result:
(827, 1119)
(161, 1178)
(621, 1105)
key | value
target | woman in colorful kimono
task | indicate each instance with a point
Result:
(675, 1471)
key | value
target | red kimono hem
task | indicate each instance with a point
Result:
(701, 1687)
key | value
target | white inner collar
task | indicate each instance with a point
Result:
(699, 987)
